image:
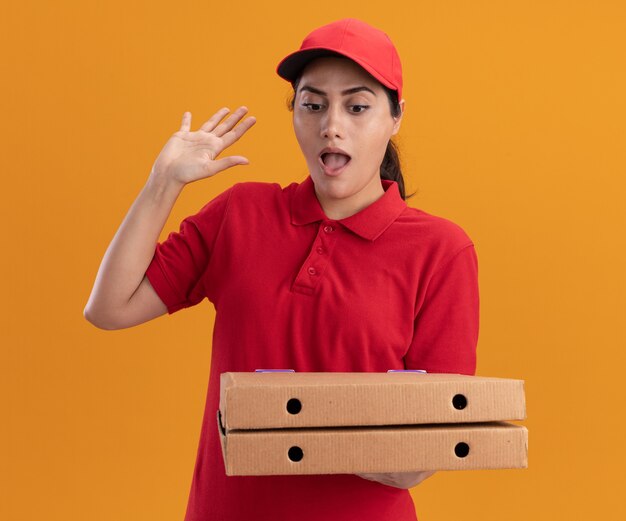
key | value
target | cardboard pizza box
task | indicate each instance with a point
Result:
(350, 450)
(332, 423)
(298, 400)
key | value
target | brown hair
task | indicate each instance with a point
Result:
(390, 167)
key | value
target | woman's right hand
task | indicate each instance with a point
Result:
(189, 156)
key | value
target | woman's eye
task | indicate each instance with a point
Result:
(313, 107)
(357, 109)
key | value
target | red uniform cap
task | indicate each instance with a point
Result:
(371, 48)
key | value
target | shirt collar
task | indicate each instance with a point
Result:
(368, 223)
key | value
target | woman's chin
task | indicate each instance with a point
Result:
(332, 187)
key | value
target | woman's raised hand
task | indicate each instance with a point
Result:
(189, 156)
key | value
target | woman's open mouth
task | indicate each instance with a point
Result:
(333, 163)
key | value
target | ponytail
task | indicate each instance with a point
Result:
(390, 167)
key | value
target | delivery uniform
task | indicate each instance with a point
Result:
(391, 287)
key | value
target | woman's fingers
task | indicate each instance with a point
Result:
(186, 123)
(218, 129)
(212, 122)
(230, 137)
(230, 122)
(213, 138)
(399, 479)
(227, 162)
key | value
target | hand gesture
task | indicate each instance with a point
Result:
(189, 156)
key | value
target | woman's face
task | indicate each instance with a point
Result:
(343, 122)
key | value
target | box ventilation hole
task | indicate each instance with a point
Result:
(459, 401)
(294, 406)
(461, 449)
(295, 454)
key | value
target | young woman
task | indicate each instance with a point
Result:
(335, 273)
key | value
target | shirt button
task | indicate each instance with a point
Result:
(312, 271)
(320, 250)
(328, 228)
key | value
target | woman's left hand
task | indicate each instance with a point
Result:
(399, 479)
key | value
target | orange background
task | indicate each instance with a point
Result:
(514, 128)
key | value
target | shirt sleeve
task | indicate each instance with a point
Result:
(446, 325)
(177, 269)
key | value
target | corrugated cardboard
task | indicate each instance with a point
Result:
(264, 400)
(334, 423)
(352, 450)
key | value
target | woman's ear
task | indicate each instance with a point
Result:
(398, 120)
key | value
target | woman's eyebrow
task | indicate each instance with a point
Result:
(352, 90)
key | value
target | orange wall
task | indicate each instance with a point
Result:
(515, 129)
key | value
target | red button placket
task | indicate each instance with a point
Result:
(313, 268)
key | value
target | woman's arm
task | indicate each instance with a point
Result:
(122, 295)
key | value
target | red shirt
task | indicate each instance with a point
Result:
(390, 287)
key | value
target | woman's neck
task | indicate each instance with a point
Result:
(337, 209)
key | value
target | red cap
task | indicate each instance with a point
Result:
(371, 48)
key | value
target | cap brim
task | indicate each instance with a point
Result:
(291, 66)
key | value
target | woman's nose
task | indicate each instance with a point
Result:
(332, 124)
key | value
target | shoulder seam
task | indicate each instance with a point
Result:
(454, 255)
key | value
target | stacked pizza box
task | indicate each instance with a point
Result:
(336, 423)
